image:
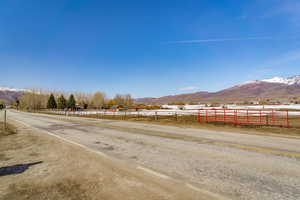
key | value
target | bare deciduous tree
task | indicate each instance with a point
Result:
(34, 100)
(98, 100)
(83, 99)
(123, 100)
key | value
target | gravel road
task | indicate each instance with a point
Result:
(232, 165)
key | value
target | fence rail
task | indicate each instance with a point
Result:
(245, 116)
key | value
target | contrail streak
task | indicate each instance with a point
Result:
(219, 40)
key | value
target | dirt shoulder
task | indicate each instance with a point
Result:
(37, 166)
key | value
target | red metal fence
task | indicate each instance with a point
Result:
(245, 116)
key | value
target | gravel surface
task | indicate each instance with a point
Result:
(237, 166)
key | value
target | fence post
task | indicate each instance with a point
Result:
(4, 127)
(274, 118)
(215, 115)
(287, 119)
(235, 117)
(247, 116)
(156, 118)
(260, 119)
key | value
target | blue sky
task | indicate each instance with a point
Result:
(146, 48)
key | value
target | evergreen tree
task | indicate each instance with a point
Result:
(2, 105)
(17, 103)
(85, 106)
(71, 102)
(51, 102)
(61, 102)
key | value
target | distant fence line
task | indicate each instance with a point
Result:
(268, 117)
(140, 113)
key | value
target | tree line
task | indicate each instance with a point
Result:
(37, 100)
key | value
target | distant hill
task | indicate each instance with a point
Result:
(190, 97)
(10, 94)
(274, 89)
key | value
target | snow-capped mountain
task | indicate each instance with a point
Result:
(288, 81)
(4, 88)
(10, 94)
(274, 89)
(295, 80)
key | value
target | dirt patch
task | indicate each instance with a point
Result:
(3, 157)
(7, 130)
(109, 148)
(64, 189)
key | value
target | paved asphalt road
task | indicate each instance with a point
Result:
(232, 165)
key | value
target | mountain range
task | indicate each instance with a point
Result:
(8, 94)
(275, 89)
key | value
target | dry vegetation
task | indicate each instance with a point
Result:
(39, 100)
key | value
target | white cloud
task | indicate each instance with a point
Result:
(219, 40)
(190, 88)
